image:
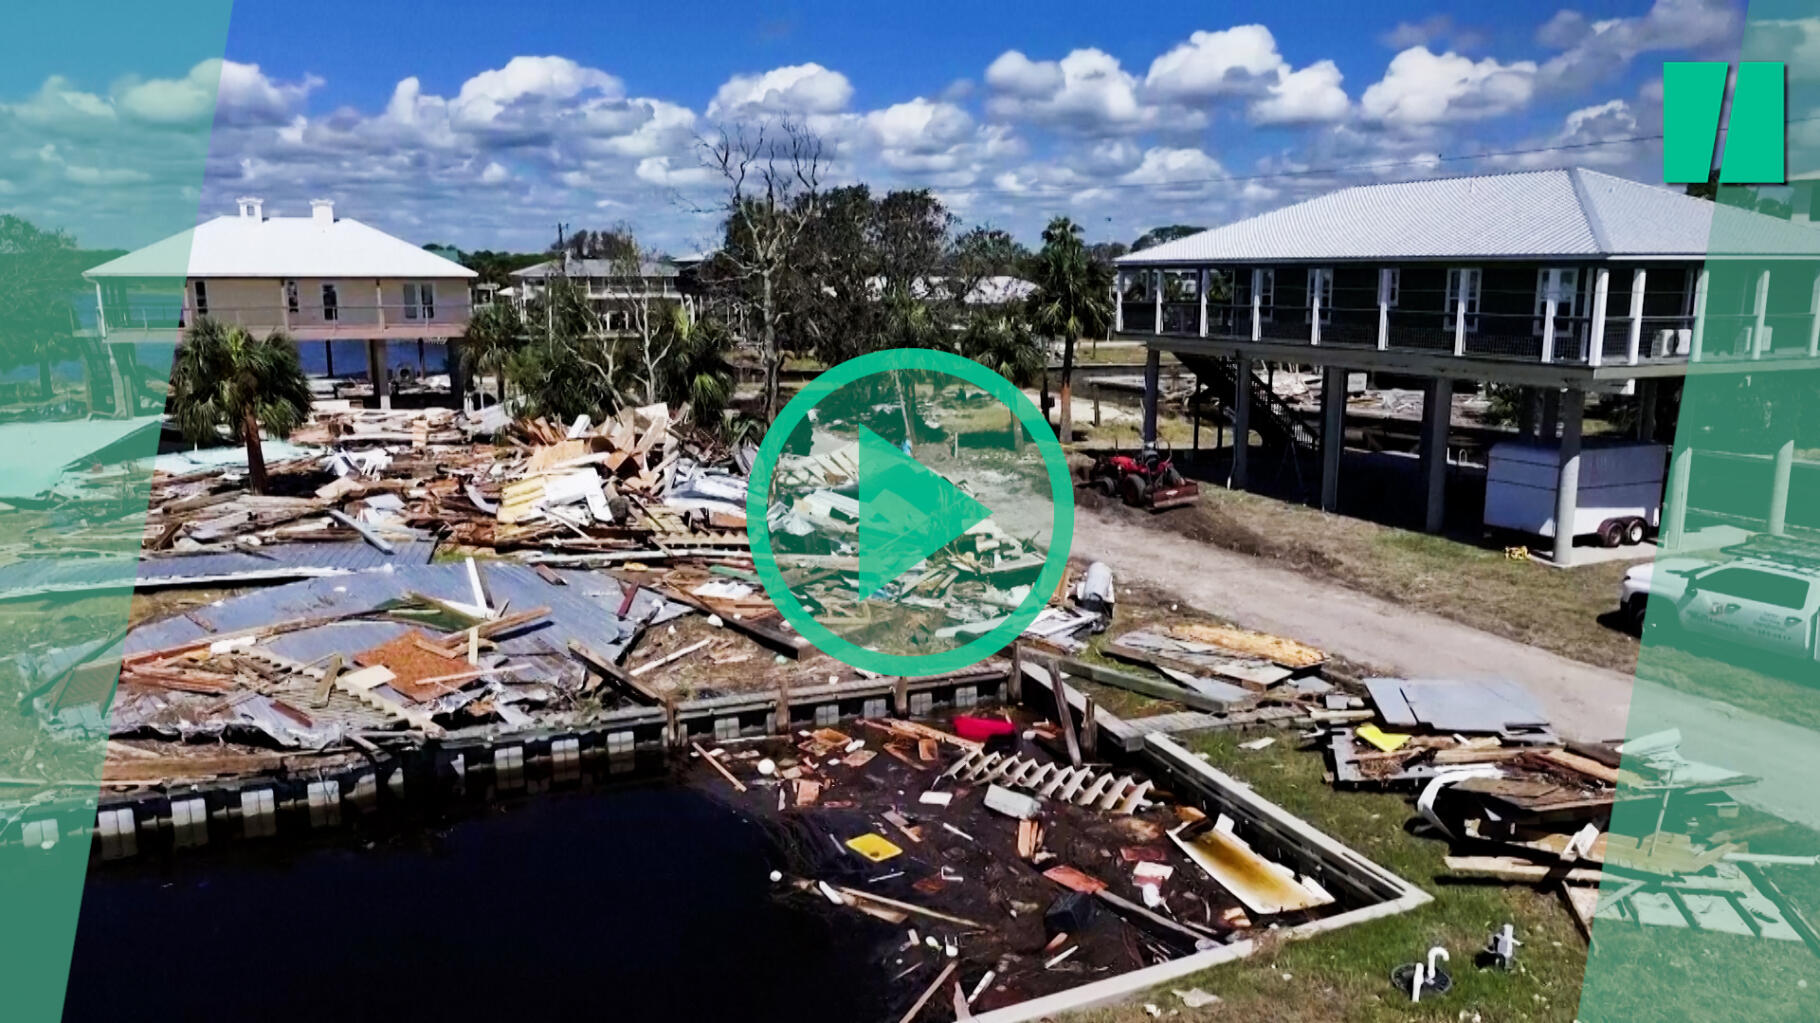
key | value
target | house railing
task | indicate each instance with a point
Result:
(351, 319)
(1494, 325)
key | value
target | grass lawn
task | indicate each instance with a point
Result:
(1642, 973)
(1544, 607)
(1345, 975)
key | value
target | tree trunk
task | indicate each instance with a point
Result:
(255, 453)
(1066, 419)
(771, 359)
(44, 377)
(1017, 432)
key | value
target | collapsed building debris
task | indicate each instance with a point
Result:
(1520, 806)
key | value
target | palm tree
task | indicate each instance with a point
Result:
(493, 332)
(697, 372)
(1073, 300)
(224, 378)
(1003, 342)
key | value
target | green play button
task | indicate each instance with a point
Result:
(910, 512)
(906, 512)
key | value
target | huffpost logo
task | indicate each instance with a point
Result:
(1693, 100)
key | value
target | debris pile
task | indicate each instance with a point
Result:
(1009, 869)
(966, 589)
(1518, 805)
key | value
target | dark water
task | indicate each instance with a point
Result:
(632, 904)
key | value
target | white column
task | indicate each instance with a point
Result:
(1548, 323)
(1202, 289)
(284, 308)
(1778, 491)
(1601, 298)
(1697, 346)
(1674, 504)
(1459, 318)
(1383, 309)
(1314, 306)
(1813, 324)
(1118, 302)
(1634, 348)
(1761, 310)
(1257, 305)
(1567, 480)
(1157, 328)
(100, 313)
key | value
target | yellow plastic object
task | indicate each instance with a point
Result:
(1389, 742)
(876, 848)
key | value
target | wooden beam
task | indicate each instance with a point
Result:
(1065, 716)
(605, 667)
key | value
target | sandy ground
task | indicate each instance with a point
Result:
(1586, 702)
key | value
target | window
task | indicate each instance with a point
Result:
(202, 298)
(1563, 284)
(1267, 294)
(331, 303)
(1320, 280)
(290, 297)
(419, 300)
(1463, 286)
(1390, 284)
(1758, 587)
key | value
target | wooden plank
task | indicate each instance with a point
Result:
(607, 669)
(716, 764)
(1505, 868)
(327, 685)
(1790, 912)
(1154, 688)
(1065, 716)
(947, 971)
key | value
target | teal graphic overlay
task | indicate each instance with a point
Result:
(105, 121)
(942, 529)
(1693, 98)
(1707, 904)
(906, 512)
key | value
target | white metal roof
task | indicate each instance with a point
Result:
(1546, 213)
(260, 246)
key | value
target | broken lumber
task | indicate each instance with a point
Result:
(1507, 868)
(716, 764)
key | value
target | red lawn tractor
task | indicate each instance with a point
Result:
(1147, 479)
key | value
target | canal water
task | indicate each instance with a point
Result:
(635, 903)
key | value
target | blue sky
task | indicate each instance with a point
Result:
(485, 125)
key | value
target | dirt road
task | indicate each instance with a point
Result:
(1586, 702)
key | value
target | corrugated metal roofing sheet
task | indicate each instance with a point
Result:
(274, 561)
(585, 610)
(1548, 213)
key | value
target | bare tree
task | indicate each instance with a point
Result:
(773, 194)
(646, 317)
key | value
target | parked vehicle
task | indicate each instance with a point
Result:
(1620, 495)
(1766, 595)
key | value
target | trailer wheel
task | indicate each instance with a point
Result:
(1611, 532)
(1635, 530)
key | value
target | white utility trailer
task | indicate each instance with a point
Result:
(1620, 498)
